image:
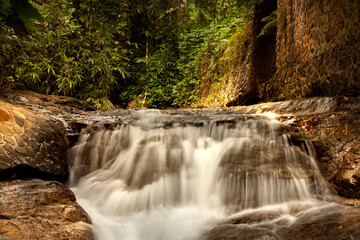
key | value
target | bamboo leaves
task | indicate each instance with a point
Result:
(71, 54)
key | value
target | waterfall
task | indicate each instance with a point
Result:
(163, 176)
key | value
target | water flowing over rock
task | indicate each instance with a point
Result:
(332, 125)
(200, 175)
(182, 174)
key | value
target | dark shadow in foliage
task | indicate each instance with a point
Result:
(263, 56)
(19, 15)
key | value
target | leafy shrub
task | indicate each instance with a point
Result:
(71, 56)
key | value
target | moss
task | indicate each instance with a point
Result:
(222, 75)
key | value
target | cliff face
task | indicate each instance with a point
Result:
(245, 65)
(316, 47)
(317, 50)
(262, 55)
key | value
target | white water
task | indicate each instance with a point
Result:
(153, 181)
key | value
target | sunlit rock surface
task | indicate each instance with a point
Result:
(37, 209)
(72, 113)
(31, 142)
(33, 147)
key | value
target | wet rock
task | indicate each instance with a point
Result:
(249, 171)
(347, 179)
(37, 209)
(336, 137)
(31, 140)
(332, 125)
(238, 232)
(265, 159)
(339, 223)
(344, 224)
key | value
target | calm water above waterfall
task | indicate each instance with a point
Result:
(162, 176)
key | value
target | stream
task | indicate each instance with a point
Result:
(157, 175)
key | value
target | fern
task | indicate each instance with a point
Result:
(271, 23)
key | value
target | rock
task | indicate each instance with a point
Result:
(266, 160)
(34, 145)
(74, 114)
(343, 223)
(52, 103)
(238, 232)
(332, 125)
(347, 179)
(37, 209)
(31, 143)
(329, 29)
(336, 137)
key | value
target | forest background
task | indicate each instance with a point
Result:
(127, 53)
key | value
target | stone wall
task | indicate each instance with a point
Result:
(318, 49)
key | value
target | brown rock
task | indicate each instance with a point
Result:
(4, 116)
(36, 209)
(53, 103)
(332, 125)
(346, 180)
(10, 139)
(342, 222)
(324, 28)
(32, 135)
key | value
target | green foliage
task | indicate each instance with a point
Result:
(160, 77)
(178, 40)
(119, 51)
(271, 23)
(76, 56)
(201, 49)
(18, 15)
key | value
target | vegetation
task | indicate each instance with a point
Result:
(137, 53)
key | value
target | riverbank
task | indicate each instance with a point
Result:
(331, 124)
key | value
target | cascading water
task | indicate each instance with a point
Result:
(164, 176)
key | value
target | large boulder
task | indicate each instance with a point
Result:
(347, 180)
(37, 209)
(31, 144)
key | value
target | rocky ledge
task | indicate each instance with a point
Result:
(71, 113)
(342, 224)
(34, 134)
(37, 209)
(31, 142)
(34, 202)
(332, 124)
